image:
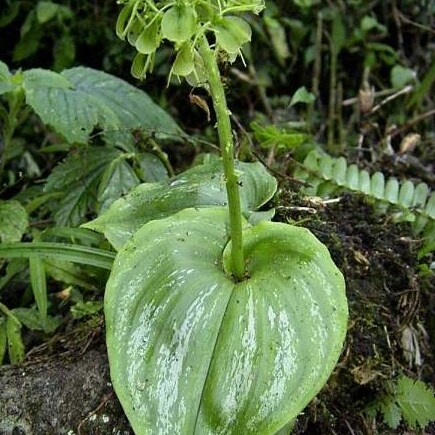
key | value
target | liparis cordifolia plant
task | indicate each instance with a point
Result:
(215, 324)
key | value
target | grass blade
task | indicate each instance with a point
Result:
(61, 251)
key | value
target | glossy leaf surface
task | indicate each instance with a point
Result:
(201, 186)
(191, 352)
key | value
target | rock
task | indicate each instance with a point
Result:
(61, 396)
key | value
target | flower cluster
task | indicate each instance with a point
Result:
(146, 23)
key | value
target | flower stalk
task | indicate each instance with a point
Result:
(227, 149)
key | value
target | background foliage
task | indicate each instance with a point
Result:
(354, 76)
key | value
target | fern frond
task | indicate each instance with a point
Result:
(416, 400)
(327, 175)
(407, 399)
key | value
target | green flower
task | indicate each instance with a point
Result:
(146, 23)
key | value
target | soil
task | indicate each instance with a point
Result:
(387, 302)
(64, 385)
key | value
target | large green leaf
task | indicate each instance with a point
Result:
(201, 186)
(80, 99)
(94, 177)
(192, 352)
(77, 178)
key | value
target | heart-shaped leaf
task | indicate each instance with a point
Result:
(201, 186)
(192, 352)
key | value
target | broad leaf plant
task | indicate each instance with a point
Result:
(216, 323)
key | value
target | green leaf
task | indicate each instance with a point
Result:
(68, 273)
(340, 168)
(352, 177)
(140, 66)
(125, 20)
(31, 319)
(423, 88)
(64, 52)
(392, 190)
(13, 221)
(190, 351)
(77, 179)
(117, 180)
(149, 39)
(401, 76)
(416, 401)
(88, 308)
(134, 32)
(184, 62)
(420, 195)
(179, 23)
(406, 194)
(377, 185)
(306, 3)
(368, 23)
(7, 15)
(80, 99)
(325, 166)
(302, 96)
(198, 77)
(61, 251)
(200, 186)
(14, 267)
(4, 71)
(5, 79)
(97, 176)
(232, 33)
(151, 168)
(45, 11)
(15, 342)
(31, 35)
(278, 38)
(391, 412)
(39, 286)
(272, 136)
(74, 234)
(430, 206)
(364, 182)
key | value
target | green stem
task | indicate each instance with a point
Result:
(227, 149)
